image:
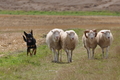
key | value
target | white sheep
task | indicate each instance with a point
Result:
(53, 42)
(69, 40)
(89, 41)
(104, 40)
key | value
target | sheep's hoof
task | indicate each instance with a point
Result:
(69, 61)
(106, 58)
(55, 61)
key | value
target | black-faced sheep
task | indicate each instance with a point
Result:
(104, 40)
(89, 41)
(53, 42)
(69, 40)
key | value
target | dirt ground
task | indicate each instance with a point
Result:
(12, 27)
(60, 5)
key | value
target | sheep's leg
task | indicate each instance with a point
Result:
(107, 49)
(61, 56)
(54, 55)
(92, 53)
(103, 52)
(88, 52)
(68, 56)
(71, 56)
(57, 56)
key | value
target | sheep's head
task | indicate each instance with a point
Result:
(106, 34)
(56, 35)
(71, 34)
(91, 34)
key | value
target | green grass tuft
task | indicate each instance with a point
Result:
(17, 59)
(77, 13)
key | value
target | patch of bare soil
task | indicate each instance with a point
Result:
(60, 5)
(12, 27)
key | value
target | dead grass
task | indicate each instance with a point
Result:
(13, 41)
(12, 27)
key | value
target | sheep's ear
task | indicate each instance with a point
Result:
(85, 33)
(94, 30)
(67, 32)
(95, 34)
(24, 38)
(52, 31)
(25, 33)
(31, 32)
(103, 32)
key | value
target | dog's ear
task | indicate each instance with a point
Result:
(24, 39)
(25, 33)
(31, 32)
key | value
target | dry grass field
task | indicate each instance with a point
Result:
(60, 5)
(18, 66)
(12, 27)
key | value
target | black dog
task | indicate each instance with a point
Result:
(31, 43)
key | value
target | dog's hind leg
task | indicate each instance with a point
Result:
(31, 52)
(34, 51)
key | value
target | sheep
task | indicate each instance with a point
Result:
(53, 42)
(90, 42)
(69, 40)
(104, 40)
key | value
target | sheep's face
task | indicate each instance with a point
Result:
(71, 35)
(106, 34)
(56, 35)
(91, 34)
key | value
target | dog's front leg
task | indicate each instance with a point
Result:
(28, 51)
